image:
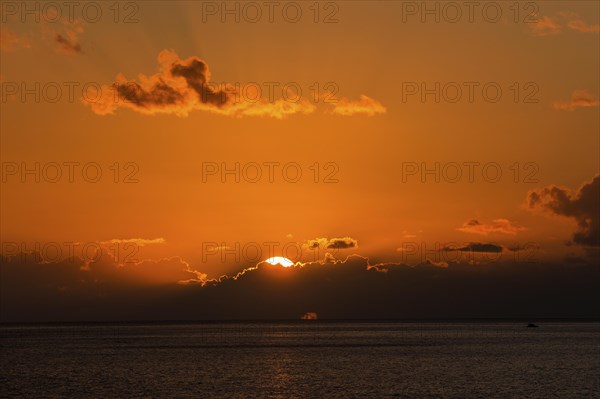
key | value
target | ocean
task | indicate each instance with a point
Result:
(304, 359)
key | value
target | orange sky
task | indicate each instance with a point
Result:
(162, 134)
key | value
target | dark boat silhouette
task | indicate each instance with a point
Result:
(531, 325)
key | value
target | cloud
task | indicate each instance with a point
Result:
(349, 288)
(582, 27)
(365, 106)
(140, 242)
(65, 34)
(105, 270)
(579, 99)
(581, 206)
(10, 41)
(153, 272)
(309, 316)
(67, 44)
(182, 86)
(342, 243)
(503, 226)
(475, 247)
(545, 26)
(332, 243)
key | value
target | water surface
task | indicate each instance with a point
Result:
(302, 360)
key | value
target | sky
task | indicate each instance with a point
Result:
(410, 159)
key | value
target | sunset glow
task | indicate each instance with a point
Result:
(299, 199)
(164, 152)
(280, 260)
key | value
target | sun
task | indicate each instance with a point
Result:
(280, 260)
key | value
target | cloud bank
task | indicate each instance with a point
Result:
(169, 289)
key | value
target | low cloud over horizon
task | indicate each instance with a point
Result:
(169, 289)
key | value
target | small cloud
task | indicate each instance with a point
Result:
(10, 41)
(65, 34)
(316, 243)
(309, 316)
(67, 45)
(140, 242)
(407, 234)
(545, 26)
(333, 243)
(475, 247)
(503, 226)
(364, 106)
(579, 99)
(582, 27)
(342, 243)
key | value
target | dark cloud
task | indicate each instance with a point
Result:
(67, 45)
(352, 288)
(181, 86)
(196, 74)
(314, 244)
(582, 206)
(342, 243)
(158, 95)
(65, 35)
(184, 85)
(475, 247)
(332, 243)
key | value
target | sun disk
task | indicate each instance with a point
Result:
(280, 260)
